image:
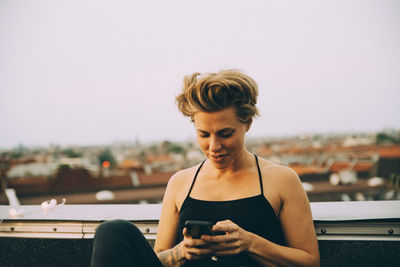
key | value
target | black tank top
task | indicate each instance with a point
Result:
(253, 214)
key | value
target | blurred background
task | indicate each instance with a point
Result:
(87, 91)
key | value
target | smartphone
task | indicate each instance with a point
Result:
(198, 228)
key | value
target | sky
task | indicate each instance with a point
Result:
(82, 72)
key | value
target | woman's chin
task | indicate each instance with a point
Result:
(220, 162)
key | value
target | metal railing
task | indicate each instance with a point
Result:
(370, 220)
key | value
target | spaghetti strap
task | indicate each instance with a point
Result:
(259, 175)
(195, 176)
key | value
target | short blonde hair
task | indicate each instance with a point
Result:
(212, 92)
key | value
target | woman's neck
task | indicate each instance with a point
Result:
(243, 161)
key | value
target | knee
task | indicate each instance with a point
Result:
(116, 228)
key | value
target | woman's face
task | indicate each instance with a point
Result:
(220, 136)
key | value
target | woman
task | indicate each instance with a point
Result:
(260, 206)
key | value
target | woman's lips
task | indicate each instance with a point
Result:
(218, 157)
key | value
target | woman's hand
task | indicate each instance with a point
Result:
(194, 248)
(235, 240)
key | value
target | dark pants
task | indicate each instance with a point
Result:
(120, 243)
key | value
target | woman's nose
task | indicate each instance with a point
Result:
(215, 144)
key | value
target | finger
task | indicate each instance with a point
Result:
(224, 221)
(186, 235)
(218, 238)
(196, 242)
(200, 251)
(196, 253)
(225, 226)
(225, 246)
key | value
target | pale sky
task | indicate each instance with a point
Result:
(95, 72)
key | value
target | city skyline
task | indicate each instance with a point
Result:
(88, 73)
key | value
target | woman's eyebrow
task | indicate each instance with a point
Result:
(202, 131)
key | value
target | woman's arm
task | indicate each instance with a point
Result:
(171, 257)
(297, 225)
(170, 253)
(297, 222)
(267, 252)
(188, 249)
(165, 246)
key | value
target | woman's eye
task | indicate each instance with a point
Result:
(226, 135)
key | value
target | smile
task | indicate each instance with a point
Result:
(217, 157)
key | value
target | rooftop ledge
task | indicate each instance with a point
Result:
(368, 220)
(349, 233)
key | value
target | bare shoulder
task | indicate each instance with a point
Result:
(179, 184)
(182, 177)
(281, 178)
(277, 171)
